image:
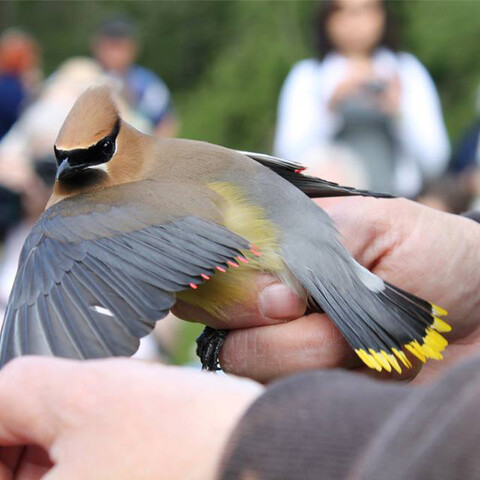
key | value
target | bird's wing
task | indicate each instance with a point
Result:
(91, 283)
(312, 186)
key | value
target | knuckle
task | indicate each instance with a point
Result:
(234, 356)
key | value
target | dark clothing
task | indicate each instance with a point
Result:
(466, 153)
(11, 210)
(12, 96)
(369, 133)
(338, 425)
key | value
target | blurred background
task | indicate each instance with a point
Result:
(381, 95)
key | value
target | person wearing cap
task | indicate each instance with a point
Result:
(115, 46)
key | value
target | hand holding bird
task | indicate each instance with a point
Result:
(398, 240)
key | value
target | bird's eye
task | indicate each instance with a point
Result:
(108, 147)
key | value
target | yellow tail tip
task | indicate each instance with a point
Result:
(438, 311)
(440, 325)
(381, 360)
(430, 346)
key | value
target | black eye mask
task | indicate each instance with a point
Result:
(97, 154)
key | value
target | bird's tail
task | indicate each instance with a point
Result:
(381, 322)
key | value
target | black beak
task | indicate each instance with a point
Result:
(66, 170)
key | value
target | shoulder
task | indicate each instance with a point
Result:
(142, 72)
(305, 68)
(411, 65)
(303, 73)
(146, 77)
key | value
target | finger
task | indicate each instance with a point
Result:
(267, 302)
(308, 343)
(9, 458)
(32, 390)
(273, 351)
(33, 465)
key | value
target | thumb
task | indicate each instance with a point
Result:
(267, 302)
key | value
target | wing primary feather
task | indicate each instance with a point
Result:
(51, 260)
(179, 246)
(25, 339)
(120, 314)
(163, 256)
(63, 316)
(140, 302)
(171, 251)
(84, 310)
(216, 232)
(163, 270)
(6, 338)
(134, 270)
(45, 325)
(199, 244)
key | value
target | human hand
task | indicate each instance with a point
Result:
(390, 99)
(431, 254)
(359, 73)
(115, 419)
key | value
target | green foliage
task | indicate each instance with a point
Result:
(235, 101)
(444, 36)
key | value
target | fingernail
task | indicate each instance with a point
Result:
(279, 302)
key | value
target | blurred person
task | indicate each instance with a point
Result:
(466, 155)
(35, 131)
(364, 94)
(19, 75)
(465, 163)
(33, 200)
(337, 163)
(123, 419)
(116, 47)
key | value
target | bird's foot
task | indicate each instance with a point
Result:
(209, 344)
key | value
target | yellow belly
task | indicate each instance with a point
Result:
(250, 222)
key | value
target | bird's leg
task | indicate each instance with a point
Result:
(209, 344)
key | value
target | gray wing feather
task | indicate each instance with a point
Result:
(91, 289)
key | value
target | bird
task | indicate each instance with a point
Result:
(136, 223)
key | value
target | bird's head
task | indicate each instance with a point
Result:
(88, 138)
(94, 147)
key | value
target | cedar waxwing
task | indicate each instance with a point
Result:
(136, 222)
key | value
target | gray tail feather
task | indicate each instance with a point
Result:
(380, 324)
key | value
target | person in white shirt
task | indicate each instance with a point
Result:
(361, 88)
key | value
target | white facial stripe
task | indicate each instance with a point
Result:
(101, 166)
